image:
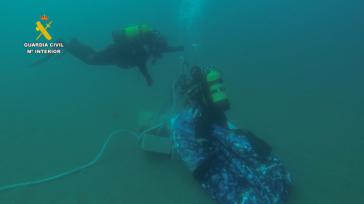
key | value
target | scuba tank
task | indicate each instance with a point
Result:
(216, 90)
(205, 88)
(131, 32)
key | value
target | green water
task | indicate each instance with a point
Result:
(293, 72)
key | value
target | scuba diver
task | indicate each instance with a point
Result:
(203, 90)
(233, 165)
(132, 47)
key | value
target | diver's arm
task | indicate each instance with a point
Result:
(155, 55)
(143, 69)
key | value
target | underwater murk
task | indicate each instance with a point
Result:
(181, 101)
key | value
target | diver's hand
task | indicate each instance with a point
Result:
(149, 81)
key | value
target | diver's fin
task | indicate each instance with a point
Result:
(46, 58)
(41, 61)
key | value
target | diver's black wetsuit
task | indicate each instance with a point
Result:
(195, 90)
(123, 54)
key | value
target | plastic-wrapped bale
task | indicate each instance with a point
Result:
(233, 172)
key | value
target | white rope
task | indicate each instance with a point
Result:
(72, 171)
(98, 156)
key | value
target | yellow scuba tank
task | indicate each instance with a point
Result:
(132, 32)
(216, 90)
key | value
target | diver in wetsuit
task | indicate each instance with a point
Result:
(203, 90)
(132, 47)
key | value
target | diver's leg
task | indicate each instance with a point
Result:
(80, 51)
(88, 55)
(145, 73)
(108, 56)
